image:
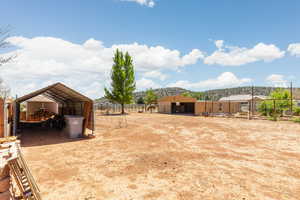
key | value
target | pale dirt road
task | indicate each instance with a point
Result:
(168, 157)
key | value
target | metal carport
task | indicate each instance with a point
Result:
(71, 101)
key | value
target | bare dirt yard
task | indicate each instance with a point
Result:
(169, 157)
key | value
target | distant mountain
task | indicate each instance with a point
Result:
(211, 94)
(162, 92)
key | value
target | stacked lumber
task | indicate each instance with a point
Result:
(5, 184)
(8, 152)
(13, 163)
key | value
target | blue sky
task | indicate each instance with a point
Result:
(194, 44)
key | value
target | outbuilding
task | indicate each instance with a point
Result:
(176, 104)
(245, 101)
(61, 99)
(189, 105)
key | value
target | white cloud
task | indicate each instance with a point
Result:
(144, 84)
(236, 56)
(226, 79)
(219, 44)
(294, 49)
(85, 67)
(158, 57)
(155, 75)
(149, 3)
(277, 80)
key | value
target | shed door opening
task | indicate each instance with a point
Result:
(183, 108)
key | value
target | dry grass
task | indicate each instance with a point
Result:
(167, 157)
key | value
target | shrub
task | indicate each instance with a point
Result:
(273, 118)
(278, 106)
(297, 111)
(296, 119)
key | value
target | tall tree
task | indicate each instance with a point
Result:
(150, 99)
(122, 80)
(140, 100)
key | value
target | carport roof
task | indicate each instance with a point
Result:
(57, 92)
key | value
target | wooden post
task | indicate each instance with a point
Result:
(87, 108)
(2, 117)
(249, 109)
(274, 106)
(252, 101)
(292, 99)
(15, 118)
(265, 108)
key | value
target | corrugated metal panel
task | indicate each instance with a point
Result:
(57, 92)
(40, 98)
(246, 97)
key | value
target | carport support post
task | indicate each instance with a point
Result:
(93, 120)
(16, 117)
(5, 117)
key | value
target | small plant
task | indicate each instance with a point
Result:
(150, 99)
(140, 100)
(279, 103)
(296, 119)
(297, 111)
(273, 118)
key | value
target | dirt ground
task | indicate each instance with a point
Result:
(169, 157)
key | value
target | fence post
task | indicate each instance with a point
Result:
(265, 108)
(292, 113)
(252, 100)
(274, 107)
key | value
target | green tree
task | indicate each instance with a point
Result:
(280, 101)
(140, 100)
(122, 80)
(150, 99)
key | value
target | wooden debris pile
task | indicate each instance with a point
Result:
(13, 168)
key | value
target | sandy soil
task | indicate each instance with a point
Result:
(168, 157)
